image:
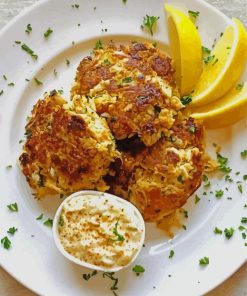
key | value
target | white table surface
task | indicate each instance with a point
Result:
(236, 285)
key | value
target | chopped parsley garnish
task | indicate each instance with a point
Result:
(120, 237)
(206, 50)
(184, 227)
(28, 29)
(185, 214)
(106, 62)
(240, 188)
(124, 1)
(61, 221)
(87, 276)
(67, 62)
(204, 261)
(149, 22)
(241, 228)
(13, 207)
(197, 199)
(9, 167)
(155, 44)
(98, 45)
(219, 193)
(185, 100)
(1, 92)
(228, 178)
(5, 77)
(171, 254)
(11, 84)
(207, 60)
(12, 230)
(228, 232)
(244, 220)
(240, 86)
(193, 14)
(48, 222)
(216, 61)
(38, 82)
(138, 269)
(180, 179)
(223, 161)
(75, 5)
(17, 42)
(243, 235)
(6, 242)
(110, 275)
(127, 80)
(48, 32)
(244, 177)
(40, 217)
(29, 51)
(217, 230)
(244, 153)
(192, 129)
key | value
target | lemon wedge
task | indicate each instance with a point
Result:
(225, 111)
(223, 66)
(186, 49)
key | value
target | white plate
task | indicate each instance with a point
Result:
(34, 260)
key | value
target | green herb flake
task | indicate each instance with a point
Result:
(217, 230)
(207, 60)
(149, 22)
(197, 199)
(48, 32)
(98, 45)
(1, 92)
(185, 100)
(38, 82)
(13, 207)
(244, 153)
(228, 179)
(29, 51)
(5, 77)
(219, 193)
(244, 220)
(6, 243)
(88, 276)
(228, 232)
(138, 269)
(11, 84)
(244, 177)
(28, 29)
(127, 80)
(193, 14)
(8, 167)
(106, 62)
(240, 86)
(243, 235)
(48, 222)
(215, 62)
(192, 129)
(124, 1)
(120, 237)
(61, 221)
(75, 6)
(67, 62)
(17, 42)
(241, 228)
(55, 72)
(180, 179)
(223, 161)
(40, 217)
(204, 261)
(110, 275)
(206, 50)
(12, 230)
(240, 188)
(171, 254)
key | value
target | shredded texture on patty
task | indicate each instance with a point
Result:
(160, 179)
(66, 151)
(133, 88)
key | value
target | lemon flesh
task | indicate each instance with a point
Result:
(228, 59)
(225, 111)
(186, 49)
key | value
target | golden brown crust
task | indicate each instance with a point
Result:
(133, 87)
(160, 179)
(62, 153)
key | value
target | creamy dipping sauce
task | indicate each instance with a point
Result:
(100, 230)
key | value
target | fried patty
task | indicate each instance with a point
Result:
(132, 86)
(160, 179)
(68, 147)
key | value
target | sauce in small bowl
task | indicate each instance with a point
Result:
(98, 230)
